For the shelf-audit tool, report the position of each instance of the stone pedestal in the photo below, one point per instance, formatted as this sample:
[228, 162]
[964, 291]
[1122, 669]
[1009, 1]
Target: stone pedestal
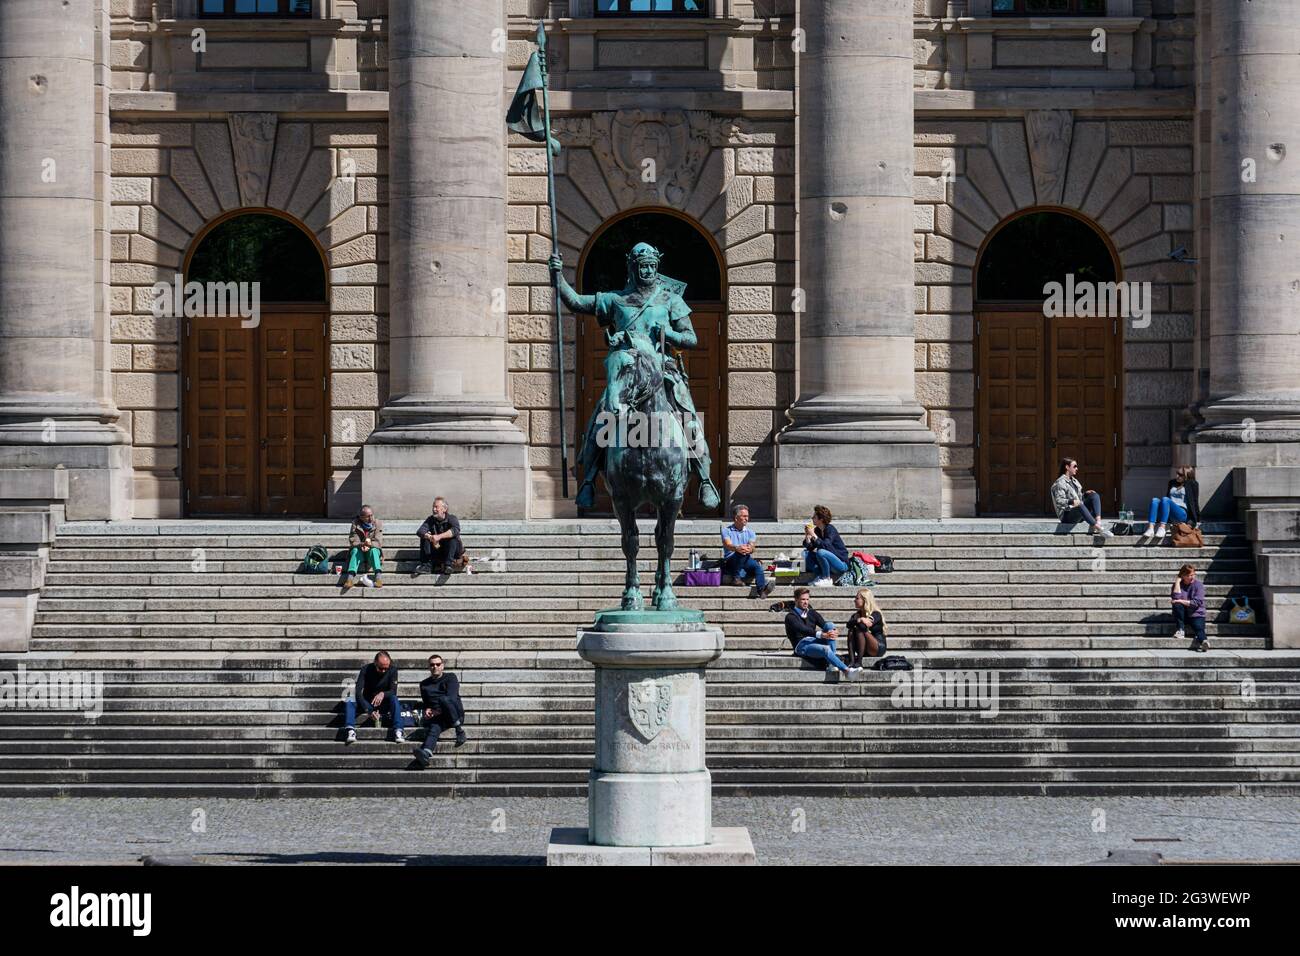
[649, 794]
[857, 423]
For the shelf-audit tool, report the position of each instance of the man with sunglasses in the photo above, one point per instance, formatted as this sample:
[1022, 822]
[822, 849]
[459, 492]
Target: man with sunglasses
[440, 692]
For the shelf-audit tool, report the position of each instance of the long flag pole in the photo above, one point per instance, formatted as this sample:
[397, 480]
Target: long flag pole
[555, 246]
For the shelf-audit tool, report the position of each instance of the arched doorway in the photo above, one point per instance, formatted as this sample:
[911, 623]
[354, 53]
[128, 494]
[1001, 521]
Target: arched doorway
[1048, 385]
[255, 385]
[689, 254]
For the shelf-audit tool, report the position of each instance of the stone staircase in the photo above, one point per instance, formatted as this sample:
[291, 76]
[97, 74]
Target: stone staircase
[223, 669]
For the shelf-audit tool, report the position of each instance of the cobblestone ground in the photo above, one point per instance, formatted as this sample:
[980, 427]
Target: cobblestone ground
[790, 830]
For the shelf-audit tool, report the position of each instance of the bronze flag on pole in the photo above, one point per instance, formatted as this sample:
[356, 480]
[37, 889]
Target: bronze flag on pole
[526, 115]
[532, 120]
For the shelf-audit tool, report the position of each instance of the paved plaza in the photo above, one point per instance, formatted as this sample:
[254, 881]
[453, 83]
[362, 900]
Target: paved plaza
[785, 830]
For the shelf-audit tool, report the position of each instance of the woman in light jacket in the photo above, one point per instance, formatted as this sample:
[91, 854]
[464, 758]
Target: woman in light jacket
[1072, 503]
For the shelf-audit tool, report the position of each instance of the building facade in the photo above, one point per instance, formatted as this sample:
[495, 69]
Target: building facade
[868, 201]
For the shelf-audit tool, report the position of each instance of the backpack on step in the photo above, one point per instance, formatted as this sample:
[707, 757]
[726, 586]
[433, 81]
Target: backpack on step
[315, 561]
[886, 564]
[857, 576]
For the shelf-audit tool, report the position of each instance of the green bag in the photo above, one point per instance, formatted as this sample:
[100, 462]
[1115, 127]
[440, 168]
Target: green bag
[315, 561]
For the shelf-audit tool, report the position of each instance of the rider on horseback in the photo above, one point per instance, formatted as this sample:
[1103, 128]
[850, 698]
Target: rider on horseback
[648, 316]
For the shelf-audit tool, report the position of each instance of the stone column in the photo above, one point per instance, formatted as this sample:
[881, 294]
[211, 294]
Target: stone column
[1252, 413]
[856, 441]
[51, 412]
[448, 426]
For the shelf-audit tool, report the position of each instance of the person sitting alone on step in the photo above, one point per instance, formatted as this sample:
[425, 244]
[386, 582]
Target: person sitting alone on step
[366, 538]
[739, 562]
[440, 694]
[440, 544]
[812, 636]
[1181, 502]
[375, 692]
[1188, 599]
[1073, 504]
[825, 553]
[866, 629]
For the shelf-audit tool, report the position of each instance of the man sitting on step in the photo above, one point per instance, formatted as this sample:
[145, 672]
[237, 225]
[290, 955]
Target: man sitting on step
[739, 562]
[440, 544]
[440, 693]
[375, 690]
[366, 537]
[812, 636]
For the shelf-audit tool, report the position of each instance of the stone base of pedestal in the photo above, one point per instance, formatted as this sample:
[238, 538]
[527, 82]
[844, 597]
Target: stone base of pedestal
[641, 809]
[728, 846]
[99, 476]
[905, 480]
[1215, 462]
[478, 480]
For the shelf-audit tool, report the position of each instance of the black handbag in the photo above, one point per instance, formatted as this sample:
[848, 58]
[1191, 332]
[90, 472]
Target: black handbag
[892, 662]
[1121, 528]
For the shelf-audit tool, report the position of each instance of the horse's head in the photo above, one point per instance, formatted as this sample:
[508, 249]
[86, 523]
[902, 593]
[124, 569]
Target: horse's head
[642, 379]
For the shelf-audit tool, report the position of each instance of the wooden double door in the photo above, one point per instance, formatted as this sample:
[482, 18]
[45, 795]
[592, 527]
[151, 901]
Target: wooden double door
[706, 372]
[255, 404]
[1046, 389]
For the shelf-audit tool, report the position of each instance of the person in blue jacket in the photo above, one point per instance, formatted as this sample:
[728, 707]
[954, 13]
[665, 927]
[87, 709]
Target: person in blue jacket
[825, 553]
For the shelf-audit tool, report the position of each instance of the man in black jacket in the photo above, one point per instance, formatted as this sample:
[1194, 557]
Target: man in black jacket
[803, 621]
[375, 691]
[440, 543]
[440, 693]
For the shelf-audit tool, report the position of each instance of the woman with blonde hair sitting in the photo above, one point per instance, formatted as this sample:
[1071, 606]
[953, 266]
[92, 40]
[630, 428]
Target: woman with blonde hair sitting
[866, 629]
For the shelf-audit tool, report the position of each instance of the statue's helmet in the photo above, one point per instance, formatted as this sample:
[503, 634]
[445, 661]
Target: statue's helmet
[641, 252]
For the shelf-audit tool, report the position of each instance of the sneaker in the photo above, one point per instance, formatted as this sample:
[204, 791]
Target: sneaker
[1160, 532]
[422, 569]
[823, 583]
[1198, 646]
[1101, 532]
[1179, 635]
[365, 582]
[378, 583]
[854, 671]
[460, 737]
[728, 580]
[398, 736]
[423, 755]
[349, 584]
[351, 737]
[768, 588]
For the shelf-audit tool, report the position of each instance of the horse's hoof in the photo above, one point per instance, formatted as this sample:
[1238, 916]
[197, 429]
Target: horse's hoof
[632, 600]
[709, 497]
[665, 601]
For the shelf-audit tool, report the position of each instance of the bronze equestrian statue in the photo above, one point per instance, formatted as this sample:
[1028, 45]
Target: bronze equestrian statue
[645, 434]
